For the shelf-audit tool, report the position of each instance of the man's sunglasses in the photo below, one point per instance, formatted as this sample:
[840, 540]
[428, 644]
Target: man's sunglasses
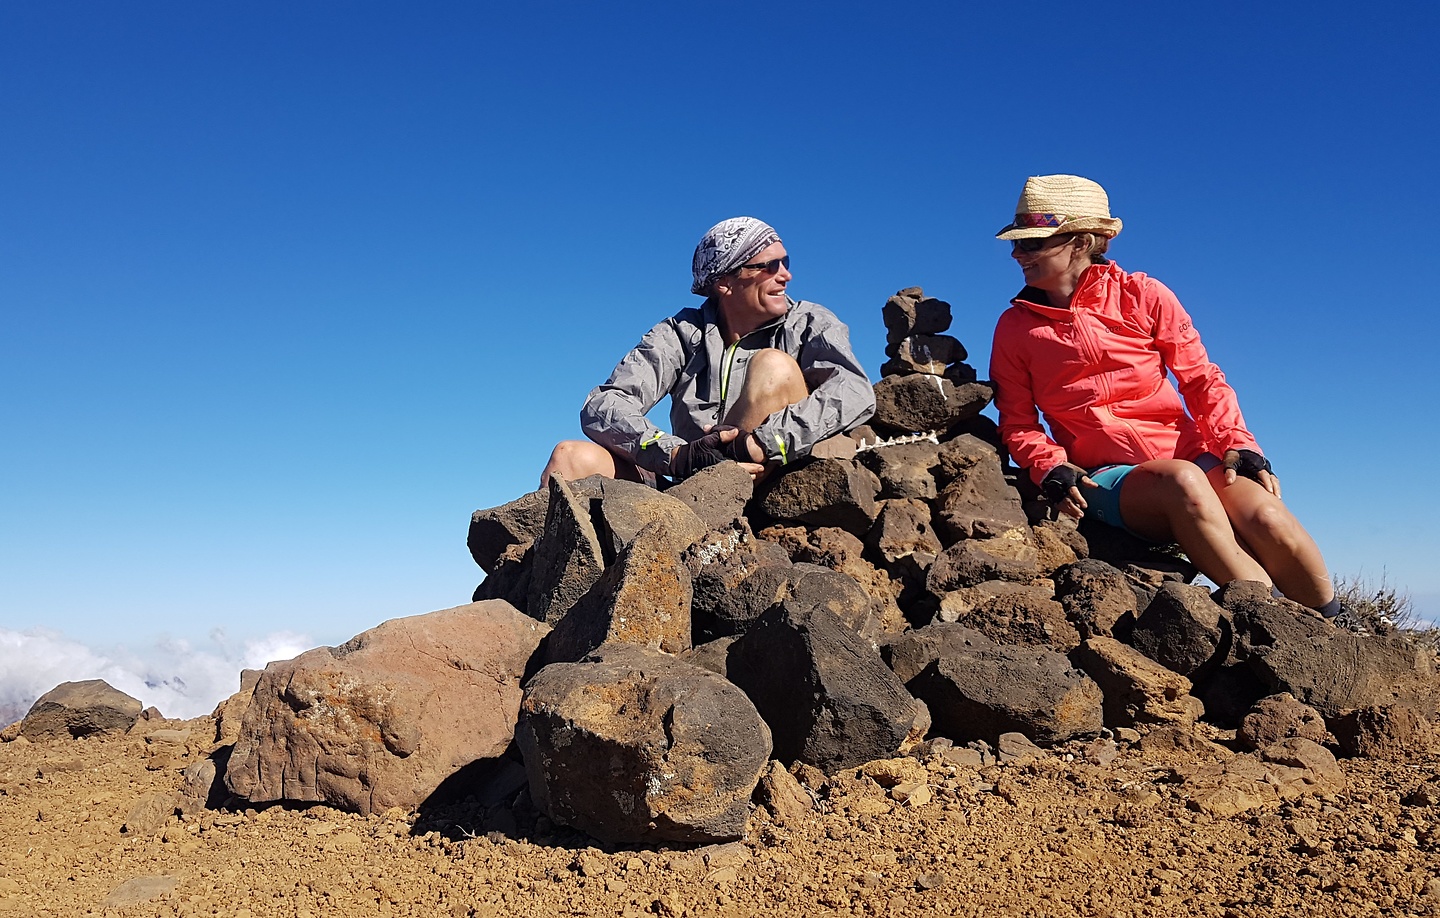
[769, 267]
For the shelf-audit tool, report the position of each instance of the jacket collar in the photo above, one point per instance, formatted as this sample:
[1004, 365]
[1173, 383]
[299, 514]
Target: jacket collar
[710, 313]
[1088, 292]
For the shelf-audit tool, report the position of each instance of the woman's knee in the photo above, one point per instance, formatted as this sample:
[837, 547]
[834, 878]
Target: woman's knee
[1270, 522]
[1182, 487]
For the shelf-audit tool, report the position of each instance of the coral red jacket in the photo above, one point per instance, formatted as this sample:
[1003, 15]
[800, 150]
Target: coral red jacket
[1097, 372]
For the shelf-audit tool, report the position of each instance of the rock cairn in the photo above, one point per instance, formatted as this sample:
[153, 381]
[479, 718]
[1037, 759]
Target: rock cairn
[642, 665]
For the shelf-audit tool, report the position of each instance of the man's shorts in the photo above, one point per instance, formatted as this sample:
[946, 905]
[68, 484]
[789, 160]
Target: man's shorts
[1103, 502]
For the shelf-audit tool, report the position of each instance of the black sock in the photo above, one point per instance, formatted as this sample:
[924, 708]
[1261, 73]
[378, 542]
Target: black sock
[1330, 609]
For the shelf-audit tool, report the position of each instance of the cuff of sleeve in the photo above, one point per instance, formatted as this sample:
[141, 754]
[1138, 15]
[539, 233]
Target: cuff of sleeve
[774, 445]
[655, 452]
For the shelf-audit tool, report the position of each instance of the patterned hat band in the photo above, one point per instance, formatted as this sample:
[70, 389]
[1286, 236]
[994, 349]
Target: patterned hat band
[1039, 220]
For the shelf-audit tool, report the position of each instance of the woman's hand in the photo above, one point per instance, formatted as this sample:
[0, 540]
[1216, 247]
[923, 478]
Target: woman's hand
[1062, 485]
[1252, 465]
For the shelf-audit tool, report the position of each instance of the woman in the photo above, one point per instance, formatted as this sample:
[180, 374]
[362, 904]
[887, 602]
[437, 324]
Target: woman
[1088, 345]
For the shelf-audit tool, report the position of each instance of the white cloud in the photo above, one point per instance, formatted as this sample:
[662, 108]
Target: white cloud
[173, 675]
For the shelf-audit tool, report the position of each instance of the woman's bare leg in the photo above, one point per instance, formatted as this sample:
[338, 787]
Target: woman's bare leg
[576, 459]
[1171, 500]
[1275, 537]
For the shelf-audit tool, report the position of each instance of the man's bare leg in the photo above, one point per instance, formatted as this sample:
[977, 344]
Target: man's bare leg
[576, 459]
[773, 380]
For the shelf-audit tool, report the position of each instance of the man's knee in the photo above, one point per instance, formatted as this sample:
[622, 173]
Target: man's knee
[773, 375]
[576, 459]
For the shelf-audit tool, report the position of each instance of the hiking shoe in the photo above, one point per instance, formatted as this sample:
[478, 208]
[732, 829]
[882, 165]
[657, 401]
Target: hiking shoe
[1347, 619]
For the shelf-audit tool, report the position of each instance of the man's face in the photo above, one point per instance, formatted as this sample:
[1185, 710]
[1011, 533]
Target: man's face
[752, 296]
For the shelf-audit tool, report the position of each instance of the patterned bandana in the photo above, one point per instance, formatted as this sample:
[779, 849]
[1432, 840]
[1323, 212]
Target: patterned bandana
[727, 246]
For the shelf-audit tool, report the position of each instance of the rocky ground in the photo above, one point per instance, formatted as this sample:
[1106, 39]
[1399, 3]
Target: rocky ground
[87, 827]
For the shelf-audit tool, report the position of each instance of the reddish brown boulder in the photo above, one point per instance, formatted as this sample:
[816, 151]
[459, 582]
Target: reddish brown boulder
[1279, 717]
[975, 561]
[1137, 689]
[1395, 731]
[91, 707]
[384, 718]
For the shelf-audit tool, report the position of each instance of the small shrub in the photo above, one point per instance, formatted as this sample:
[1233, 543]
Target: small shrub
[1385, 609]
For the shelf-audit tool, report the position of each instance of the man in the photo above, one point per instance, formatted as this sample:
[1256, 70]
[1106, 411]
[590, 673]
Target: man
[752, 375]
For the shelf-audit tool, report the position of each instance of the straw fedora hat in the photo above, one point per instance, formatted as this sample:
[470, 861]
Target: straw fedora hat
[1053, 204]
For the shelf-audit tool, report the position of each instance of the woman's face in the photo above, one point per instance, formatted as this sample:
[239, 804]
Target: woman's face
[1046, 261]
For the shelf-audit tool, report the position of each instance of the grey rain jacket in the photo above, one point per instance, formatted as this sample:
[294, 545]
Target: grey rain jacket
[684, 357]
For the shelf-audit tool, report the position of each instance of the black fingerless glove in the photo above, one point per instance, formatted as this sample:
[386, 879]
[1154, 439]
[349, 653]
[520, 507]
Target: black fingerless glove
[1059, 481]
[1249, 464]
[739, 449]
[699, 454]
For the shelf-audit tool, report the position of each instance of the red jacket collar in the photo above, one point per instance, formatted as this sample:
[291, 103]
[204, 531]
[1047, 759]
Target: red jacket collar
[1088, 292]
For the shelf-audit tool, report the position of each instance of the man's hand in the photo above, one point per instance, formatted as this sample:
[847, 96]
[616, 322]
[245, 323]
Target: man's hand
[1249, 464]
[1062, 485]
[713, 448]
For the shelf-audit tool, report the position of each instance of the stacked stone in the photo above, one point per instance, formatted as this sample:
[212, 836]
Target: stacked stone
[926, 384]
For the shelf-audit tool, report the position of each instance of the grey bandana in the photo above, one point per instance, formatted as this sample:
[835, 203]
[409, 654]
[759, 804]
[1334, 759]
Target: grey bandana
[727, 246]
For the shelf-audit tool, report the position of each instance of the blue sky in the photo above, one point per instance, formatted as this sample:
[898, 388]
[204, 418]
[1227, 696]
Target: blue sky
[287, 290]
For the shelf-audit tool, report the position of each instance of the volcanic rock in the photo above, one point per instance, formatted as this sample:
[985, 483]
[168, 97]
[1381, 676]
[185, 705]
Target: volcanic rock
[930, 354]
[910, 312]
[74, 709]
[1331, 670]
[634, 746]
[905, 469]
[1097, 597]
[1011, 613]
[1395, 731]
[568, 558]
[1182, 629]
[384, 718]
[979, 689]
[974, 561]
[1279, 717]
[825, 492]
[717, 495]
[908, 404]
[519, 522]
[1137, 689]
[976, 502]
[643, 598]
[829, 699]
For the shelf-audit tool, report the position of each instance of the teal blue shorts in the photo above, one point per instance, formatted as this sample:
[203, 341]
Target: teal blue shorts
[1103, 503]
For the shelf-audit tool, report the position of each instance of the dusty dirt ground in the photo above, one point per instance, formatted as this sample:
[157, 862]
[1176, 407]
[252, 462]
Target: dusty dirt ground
[1040, 837]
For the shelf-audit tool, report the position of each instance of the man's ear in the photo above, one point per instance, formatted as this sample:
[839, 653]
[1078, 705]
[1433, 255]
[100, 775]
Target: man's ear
[722, 285]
